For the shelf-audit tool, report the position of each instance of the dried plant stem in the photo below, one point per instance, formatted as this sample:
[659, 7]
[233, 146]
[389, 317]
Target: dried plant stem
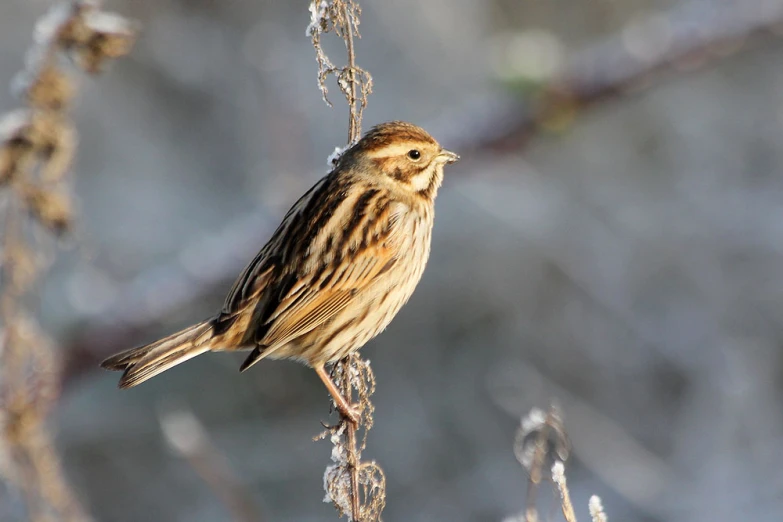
[354, 131]
[37, 145]
[352, 486]
[353, 464]
[354, 116]
[558, 476]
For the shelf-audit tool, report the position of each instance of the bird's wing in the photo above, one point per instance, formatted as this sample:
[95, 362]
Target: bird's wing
[331, 245]
[319, 296]
[269, 261]
[365, 248]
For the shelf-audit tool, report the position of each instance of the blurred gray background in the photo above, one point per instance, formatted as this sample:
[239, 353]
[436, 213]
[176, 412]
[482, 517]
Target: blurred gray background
[629, 265]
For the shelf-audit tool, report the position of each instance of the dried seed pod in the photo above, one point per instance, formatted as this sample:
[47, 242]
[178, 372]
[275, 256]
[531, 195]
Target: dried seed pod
[53, 142]
[21, 266]
[29, 136]
[16, 148]
[50, 208]
[63, 26]
[56, 150]
[111, 36]
[90, 35]
[45, 131]
[7, 164]
[45, 86]
[12, 160]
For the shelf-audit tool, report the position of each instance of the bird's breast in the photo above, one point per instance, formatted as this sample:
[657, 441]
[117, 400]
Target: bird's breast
[372, 309]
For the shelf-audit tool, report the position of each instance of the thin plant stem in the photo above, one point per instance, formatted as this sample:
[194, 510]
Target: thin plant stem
[354, 131]
[354, 123]
[351, 436]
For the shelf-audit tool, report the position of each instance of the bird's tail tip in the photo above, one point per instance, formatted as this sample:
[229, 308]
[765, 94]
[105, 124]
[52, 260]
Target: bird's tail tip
[144, 362]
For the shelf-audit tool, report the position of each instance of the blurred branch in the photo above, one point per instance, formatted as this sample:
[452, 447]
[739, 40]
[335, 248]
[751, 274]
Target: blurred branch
[37, 147]
[187, 436]
[686, 37]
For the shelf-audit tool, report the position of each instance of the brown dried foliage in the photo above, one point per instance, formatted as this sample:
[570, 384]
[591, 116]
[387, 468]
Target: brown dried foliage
[37, 147]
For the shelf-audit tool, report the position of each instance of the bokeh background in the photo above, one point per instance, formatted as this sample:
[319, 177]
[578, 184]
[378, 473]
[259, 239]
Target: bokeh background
[624, 258]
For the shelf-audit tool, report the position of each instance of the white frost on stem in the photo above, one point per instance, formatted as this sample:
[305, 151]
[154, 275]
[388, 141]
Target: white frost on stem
[558, 474]
[337, 480]
[319, 16]
[597, 509]
[334, 157]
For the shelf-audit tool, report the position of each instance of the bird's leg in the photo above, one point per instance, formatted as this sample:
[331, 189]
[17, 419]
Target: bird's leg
[343, 406]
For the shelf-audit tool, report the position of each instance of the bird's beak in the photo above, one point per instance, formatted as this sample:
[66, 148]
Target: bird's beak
[448, 157]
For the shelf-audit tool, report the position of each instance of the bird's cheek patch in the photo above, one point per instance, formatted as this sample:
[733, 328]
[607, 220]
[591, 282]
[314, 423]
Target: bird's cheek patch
[421, 180]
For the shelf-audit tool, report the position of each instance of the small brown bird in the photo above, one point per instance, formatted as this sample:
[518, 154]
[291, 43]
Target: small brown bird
[345, 259]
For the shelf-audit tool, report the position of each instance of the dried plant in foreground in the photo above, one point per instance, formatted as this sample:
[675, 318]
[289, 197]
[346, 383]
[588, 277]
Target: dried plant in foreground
[541, 443]
[356, 489]
[37, 146]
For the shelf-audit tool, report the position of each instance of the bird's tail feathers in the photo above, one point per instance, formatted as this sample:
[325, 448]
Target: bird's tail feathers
[145, 362]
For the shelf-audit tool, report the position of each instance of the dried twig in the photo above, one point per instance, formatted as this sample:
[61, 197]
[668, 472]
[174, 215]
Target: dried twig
[37, 146]
[558, 477]
[355, 488]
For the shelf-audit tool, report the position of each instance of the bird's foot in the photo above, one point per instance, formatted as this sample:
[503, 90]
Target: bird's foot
[350, 412]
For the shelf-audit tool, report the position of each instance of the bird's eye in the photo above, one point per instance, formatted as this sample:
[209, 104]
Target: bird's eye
[414, 154]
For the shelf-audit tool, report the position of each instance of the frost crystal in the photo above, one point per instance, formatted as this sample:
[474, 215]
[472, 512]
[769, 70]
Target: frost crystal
[558, 472]
[49, 26]
[319, 16]
[334, 157]
[109, 23]
[597, 509]
[534, 420]
[13, 124]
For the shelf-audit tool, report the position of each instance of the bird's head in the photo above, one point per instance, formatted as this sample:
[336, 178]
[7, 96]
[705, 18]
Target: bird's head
[403, 153]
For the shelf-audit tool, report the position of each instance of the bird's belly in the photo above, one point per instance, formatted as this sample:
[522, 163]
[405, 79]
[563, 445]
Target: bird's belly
[365, 317]
[369, 312]
[351, 329]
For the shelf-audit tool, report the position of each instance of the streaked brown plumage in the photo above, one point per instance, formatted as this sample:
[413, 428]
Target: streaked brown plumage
[345, 259]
